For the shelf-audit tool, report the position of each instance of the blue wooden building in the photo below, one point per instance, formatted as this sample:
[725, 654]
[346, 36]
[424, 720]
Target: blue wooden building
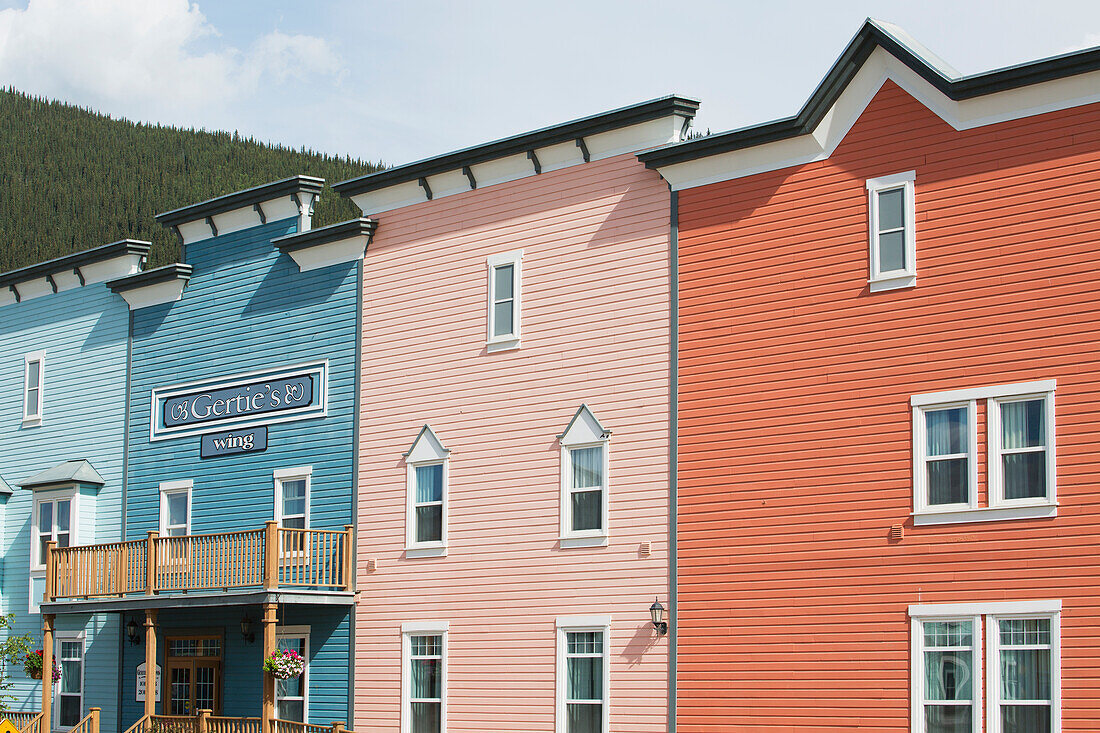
[240, 472]
[63, 379]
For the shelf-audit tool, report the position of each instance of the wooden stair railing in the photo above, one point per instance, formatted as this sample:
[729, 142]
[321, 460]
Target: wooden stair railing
[27, 722]
[88, 724]
[141, 726]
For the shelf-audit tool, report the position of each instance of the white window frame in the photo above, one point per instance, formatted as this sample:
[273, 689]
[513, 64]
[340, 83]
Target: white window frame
[583, 431]
[422, 628]
[920, 457]
[987, 682]
[292, 474]
[68, 636]
[996, 509]
[35, 357]
[41, 497]
[296, 632]
[993, 663]
[566, 624]
[906, 277]
[432, 548]
[511, 340]
[996, 468]
[174, 487]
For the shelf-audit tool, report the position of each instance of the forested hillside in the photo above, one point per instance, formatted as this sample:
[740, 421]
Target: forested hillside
[71, 178]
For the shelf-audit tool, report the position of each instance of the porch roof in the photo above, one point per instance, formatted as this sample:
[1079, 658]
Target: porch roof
[201, 600]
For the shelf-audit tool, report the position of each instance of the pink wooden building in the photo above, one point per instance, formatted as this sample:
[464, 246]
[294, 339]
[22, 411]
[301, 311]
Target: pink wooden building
[514, 476]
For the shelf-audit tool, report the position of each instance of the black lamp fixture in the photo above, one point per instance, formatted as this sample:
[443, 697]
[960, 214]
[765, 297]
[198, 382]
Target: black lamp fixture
[246, 629]
[132, 632]
[657, 615]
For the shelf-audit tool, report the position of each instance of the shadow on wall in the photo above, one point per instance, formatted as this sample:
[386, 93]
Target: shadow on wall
[107, 330]
[284, 285]
[644, 641]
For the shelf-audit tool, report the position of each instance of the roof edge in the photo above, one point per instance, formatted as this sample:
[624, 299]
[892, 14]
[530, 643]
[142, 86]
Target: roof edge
[166, 273]
[565, 132]
[331, 233]
[110, 251]
[240, 199]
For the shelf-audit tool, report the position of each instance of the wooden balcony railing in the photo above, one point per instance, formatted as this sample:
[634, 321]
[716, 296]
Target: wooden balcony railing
[269, 558]
[204, 722]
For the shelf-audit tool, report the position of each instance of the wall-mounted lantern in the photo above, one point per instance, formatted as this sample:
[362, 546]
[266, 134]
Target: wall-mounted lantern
[657, 616]
[132, 632]
[246, 629]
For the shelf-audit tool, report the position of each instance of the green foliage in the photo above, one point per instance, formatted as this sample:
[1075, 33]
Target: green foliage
[13, 650]
[74, 179]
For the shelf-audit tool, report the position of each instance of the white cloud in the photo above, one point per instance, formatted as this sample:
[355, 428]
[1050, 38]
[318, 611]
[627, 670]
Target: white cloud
[149, 59]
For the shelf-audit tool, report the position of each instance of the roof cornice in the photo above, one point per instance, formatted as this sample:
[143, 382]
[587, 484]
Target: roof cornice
[153, 287]
[523, 144]
[76, 260]
[872, 35]
[241, 199]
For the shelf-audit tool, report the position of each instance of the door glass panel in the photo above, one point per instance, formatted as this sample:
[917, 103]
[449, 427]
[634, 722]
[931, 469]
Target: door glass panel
[205, 686]
[180, 691]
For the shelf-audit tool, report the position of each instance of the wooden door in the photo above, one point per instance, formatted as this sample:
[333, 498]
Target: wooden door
[193, 675]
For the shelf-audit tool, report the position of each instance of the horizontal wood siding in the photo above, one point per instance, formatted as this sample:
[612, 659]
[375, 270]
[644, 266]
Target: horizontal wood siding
[83, 332]
[595, 330]
[248, 308]
[795, 446]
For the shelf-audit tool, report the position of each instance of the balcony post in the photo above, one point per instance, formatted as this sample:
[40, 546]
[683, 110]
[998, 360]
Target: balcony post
[349, 557]
[204, 723]
[150, 661]
[269, 621]
[151, 564]
[271, 555]
[337, 726]
[94, 712]
[51, 572]
[47, 671]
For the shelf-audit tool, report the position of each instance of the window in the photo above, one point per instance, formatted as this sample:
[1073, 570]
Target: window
[1021, 668]
[70, 689]
[1020, 460]
[53, 521]
[291, 695]
[427, 476]
[584, 488]
[893, 233]
[34, 367]
[583, 674]
[292, 497]
[175, 508]
[505, 284]
[424, 678]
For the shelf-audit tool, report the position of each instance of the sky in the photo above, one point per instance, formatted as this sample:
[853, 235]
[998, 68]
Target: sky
[401, 80]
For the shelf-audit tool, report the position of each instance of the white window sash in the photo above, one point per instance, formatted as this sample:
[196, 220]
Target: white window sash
[921, 504]
[996, 451]
[301, 473]
[917, 671]
[993, 663]
[409, 630]
[296, 632]
[567, 490]
[411, 504]
[565, 626]
[52, 497]
[168, 488]
[59, 641]
[38, 360]
[507, 340]
[905, 183]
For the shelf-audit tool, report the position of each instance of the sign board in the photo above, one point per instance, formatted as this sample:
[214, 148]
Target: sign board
[141, 683]
[6, 726]
[253, 440]
[240, 401]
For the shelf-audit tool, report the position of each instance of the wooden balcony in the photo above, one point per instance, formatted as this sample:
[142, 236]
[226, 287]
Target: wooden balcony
[270, 558]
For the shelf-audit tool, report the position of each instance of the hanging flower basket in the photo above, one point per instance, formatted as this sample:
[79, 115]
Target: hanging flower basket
[284, 664]
[32, 665]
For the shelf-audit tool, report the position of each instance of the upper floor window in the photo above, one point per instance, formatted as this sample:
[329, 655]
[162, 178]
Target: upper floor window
[53, 522]
[175, 508]
[1022, 676]
[1020, 440]
[505, 284]
[292, 497]
[584, 482]
[893, 231]
[426, 476]
[34, 372]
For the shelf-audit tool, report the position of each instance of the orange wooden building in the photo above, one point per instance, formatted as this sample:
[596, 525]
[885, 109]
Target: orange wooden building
[889, 377]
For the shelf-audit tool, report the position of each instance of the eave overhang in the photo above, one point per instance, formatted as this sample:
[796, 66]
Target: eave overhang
[72, 271]
[153, 287]
[346, 241]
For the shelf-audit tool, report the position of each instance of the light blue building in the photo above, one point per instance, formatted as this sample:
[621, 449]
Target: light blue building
[240, 475]
[63, 381]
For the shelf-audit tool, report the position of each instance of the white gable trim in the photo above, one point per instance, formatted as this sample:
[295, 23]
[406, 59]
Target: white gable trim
[881, 65]
[583, 428]
[426, 447]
